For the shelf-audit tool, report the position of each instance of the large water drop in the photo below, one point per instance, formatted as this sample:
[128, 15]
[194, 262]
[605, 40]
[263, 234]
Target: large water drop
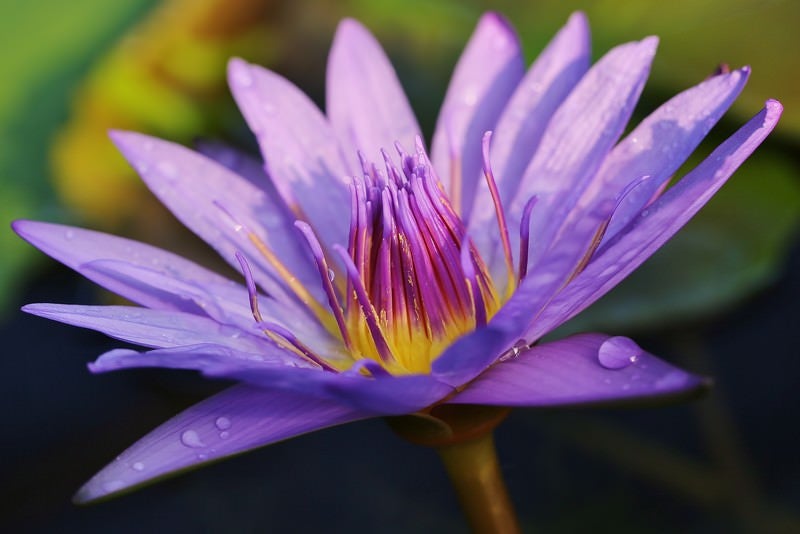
[190, 438]
[618, 353]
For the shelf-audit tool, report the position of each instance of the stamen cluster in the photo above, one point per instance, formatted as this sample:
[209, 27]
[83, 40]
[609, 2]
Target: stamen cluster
[414, 282]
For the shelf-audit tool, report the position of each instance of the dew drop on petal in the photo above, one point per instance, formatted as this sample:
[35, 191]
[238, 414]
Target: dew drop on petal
[69, 235]
[138, 466]
[190, 438]
[222, 423]
[618, 353]
[224, 435]
[331, 275]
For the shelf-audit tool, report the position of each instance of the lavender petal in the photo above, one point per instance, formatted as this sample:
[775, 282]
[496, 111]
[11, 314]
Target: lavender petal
[486, 75]
[239, 419]
[150, 328]
[299, 146]
[659, 222]
[585, 369]
[578, 138]
[520, 127]
[365, 102]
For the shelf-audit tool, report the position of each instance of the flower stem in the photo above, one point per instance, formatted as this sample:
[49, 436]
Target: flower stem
[475, 473]
[462, 435]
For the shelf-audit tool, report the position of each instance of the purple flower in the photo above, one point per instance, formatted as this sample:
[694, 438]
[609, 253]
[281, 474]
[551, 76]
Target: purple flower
[379, 281]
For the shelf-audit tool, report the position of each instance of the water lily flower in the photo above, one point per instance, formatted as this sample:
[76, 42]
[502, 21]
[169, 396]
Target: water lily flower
[384, 278]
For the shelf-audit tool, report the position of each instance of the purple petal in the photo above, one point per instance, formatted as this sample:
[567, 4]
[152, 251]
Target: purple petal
[225, 303]
[469, 355]
[579, 137]
[660, 144]
[238, 162]
[299, 148]
[474, 352]
[234, 421]
[489, 70]
[383, 395]
[579, 370]
[212, 359]
[76, 247]
[523, 121]
[150, 328]
[220, 207]
[365, 102]
[387, 395]
[656, 224]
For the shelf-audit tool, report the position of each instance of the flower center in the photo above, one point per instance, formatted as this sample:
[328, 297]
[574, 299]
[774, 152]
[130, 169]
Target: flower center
[414, 281]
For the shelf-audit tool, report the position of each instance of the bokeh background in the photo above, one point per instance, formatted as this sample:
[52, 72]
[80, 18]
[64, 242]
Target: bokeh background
[719, 300]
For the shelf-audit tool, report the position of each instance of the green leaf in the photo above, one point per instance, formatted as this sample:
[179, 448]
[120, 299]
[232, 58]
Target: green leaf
[48, 46]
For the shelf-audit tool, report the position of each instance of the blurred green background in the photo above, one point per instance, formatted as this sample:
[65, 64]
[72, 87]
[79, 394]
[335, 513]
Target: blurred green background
[74, 70]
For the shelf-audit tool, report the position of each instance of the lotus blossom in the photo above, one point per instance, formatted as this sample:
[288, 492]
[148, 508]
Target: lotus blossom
[381, 277]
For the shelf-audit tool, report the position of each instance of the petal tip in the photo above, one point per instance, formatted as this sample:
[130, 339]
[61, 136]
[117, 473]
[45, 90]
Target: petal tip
[19, 226]
[349, 27]
[578, 21]
[774, 107]
[650, 43]
[239, 75]
[129, 142]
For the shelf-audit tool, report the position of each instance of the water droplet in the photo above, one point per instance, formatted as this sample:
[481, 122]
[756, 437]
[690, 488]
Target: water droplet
[69, 235]
[138, 466]
[190, 438]
[223, 423]
[516, 349]
[331, 275]
[618, 353]
[224, 435]
[202, 457]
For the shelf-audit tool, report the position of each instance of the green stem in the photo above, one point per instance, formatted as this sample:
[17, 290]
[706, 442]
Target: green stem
[475, 473]
[462, 435]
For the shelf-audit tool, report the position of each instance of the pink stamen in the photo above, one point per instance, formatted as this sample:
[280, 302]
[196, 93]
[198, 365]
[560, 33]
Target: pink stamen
[366, 306]
[269, 327]
[498, 208]
[597, 239]
[524, 237]
[322, 267]
[251, 285]
[273, 328]
[478, 304]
